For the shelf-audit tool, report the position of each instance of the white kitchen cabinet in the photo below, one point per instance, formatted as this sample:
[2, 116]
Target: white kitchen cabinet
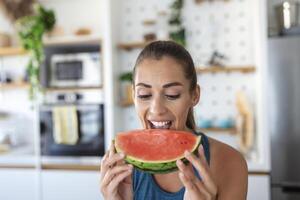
[258, 187]
[18, 184]
[70, 185]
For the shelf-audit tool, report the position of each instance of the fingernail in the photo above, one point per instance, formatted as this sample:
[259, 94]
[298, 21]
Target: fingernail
[122, 155]
[201, 148]
[186, 153]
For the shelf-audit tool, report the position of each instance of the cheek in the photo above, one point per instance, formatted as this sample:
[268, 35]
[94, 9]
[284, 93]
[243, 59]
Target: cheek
[140, 109]
[181, 110]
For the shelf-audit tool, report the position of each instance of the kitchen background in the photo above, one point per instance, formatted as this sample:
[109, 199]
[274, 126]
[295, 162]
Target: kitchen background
[228, 41]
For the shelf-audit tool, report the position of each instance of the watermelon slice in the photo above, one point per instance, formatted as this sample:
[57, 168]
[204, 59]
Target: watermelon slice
[156, 150]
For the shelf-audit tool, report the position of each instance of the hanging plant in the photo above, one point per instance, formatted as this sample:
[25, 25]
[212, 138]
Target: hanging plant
[177, 33]
[31, 29]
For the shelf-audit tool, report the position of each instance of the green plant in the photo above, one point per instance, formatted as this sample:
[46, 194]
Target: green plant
[177, 33]
[31, 29]
[127, 76]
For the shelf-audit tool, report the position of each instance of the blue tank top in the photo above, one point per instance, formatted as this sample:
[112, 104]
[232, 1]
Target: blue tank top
[145, 186]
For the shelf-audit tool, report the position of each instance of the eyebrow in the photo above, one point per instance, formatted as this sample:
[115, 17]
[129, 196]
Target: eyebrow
[164, 86]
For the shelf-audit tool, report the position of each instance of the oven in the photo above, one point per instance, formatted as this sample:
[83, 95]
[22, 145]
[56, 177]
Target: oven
[86, 109]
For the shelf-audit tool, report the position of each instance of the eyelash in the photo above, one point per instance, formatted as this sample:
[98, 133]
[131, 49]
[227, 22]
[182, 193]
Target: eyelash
[170, 97]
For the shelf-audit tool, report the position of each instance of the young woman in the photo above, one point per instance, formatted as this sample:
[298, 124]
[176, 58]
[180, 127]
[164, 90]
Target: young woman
[165, 92]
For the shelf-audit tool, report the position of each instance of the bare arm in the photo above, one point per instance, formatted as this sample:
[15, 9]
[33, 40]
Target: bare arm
[230, 171]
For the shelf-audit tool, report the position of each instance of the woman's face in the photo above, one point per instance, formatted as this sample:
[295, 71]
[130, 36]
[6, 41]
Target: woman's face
[162, 94]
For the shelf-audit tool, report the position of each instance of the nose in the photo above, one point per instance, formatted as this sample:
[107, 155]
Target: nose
[157, 106]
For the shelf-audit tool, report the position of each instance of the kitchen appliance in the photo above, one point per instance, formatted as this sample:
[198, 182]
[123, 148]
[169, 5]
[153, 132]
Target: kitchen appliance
[90, 114]
[82, 69]
[288, 17]
[284, 115]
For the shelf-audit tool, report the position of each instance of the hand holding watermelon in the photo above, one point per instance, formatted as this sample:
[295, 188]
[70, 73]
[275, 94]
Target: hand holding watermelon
[195, 188]
[115, 176]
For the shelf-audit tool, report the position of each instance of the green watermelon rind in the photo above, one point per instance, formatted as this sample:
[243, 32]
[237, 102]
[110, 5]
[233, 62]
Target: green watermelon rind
[158, 167]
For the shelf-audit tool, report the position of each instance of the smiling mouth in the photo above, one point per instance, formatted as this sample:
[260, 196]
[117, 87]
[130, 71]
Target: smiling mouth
[160, 124]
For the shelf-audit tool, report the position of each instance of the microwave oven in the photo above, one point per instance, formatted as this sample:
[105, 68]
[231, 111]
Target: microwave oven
[82, 69]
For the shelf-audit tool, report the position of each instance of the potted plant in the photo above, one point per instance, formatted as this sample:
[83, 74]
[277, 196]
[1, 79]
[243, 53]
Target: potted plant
[126, 88]
[31, 29]
[177, 33]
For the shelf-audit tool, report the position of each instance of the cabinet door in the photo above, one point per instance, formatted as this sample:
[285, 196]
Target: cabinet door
[18, 184]
[70, 185]
[258, 187]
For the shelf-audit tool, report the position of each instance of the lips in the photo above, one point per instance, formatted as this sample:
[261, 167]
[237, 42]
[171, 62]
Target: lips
[160, 124]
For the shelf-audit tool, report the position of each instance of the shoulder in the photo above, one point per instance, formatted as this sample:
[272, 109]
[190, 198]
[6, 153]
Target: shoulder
[229, 169]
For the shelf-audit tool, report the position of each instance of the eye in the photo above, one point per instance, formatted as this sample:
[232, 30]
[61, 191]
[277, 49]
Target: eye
[173, 97]
[144, 97]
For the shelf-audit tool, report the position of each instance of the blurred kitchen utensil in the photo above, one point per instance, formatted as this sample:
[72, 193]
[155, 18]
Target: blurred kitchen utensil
[13, 127]
[5, 40]
[217, 59]
[83, 31]
[205, 123]
[3, 115]
[149, 30]
[288, 17]
[244, 123]
[224, 123]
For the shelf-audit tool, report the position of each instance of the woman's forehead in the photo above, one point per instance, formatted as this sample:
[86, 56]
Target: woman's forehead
[163, 70]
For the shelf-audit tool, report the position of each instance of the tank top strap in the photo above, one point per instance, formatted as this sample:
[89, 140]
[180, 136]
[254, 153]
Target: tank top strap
[205, 144]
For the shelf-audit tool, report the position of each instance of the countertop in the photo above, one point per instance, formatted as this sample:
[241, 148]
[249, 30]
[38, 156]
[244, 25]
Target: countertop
[24, 157]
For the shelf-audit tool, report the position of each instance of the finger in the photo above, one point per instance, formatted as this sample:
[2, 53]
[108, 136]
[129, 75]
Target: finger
[110, 174]
[112, 161]
[188, 184]
[102, 165]
[202, 170]
[202, 188]
[103, 160]
[111, 149]
[186, 170]
[120, 177]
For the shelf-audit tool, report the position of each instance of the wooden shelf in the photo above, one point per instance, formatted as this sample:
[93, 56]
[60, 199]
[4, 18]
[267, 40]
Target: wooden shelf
[133, 45]
[76, 167]
[72, 40]
[7, 86]
[227, 69]
[12, 51]
[218, 130]
[72, 89]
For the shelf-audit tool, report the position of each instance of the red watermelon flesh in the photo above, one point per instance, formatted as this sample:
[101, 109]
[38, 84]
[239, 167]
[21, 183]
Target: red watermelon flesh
[156, 145]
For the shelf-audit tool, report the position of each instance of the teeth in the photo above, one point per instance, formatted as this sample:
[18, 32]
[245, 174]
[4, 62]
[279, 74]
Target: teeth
[162, 125]
[159, 123]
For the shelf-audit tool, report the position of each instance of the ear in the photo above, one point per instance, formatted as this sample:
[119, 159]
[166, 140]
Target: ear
[132, 93]
[196, 95]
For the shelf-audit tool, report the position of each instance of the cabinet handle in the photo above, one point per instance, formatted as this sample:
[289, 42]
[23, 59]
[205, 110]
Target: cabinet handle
[289, 187]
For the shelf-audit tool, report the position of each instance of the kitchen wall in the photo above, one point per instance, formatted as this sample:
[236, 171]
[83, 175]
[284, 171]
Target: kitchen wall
[78, 14]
